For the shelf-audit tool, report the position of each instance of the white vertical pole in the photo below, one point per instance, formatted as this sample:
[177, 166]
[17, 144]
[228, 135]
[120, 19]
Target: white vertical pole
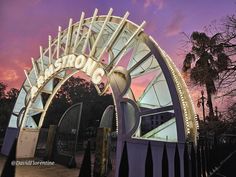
[115, 33]
[89, 31]
[49, 49]
[100, 32]
[68, 36]
[78, 31]
[41, 57]
[58, 41]
[27, 77]
[35, 68]
[121, 52]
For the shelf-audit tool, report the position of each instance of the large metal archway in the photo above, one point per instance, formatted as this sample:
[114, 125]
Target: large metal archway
[145, 83]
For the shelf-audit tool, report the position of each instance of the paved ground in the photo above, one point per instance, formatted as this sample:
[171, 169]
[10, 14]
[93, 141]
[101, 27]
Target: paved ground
[55, 170]
[227, 169]
[42, 171]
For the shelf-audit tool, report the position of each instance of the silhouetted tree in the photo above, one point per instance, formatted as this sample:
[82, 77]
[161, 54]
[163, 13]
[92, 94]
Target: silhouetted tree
[2, 90]
[231, 115]
[209, 60]
[7, 101]
[12, 94]
[228, 38]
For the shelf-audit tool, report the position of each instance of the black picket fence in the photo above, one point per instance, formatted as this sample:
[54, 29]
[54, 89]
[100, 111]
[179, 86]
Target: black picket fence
[199, 161]
[210, 156]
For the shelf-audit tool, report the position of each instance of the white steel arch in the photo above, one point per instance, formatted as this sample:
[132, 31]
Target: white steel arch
[120, 55]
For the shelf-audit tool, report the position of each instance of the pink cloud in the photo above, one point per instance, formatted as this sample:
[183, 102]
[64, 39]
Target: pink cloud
[158, 3]
[9, 75]
[175, 25]
[151, 28]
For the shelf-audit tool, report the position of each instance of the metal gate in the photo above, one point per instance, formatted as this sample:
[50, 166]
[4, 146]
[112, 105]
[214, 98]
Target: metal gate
[67, 135]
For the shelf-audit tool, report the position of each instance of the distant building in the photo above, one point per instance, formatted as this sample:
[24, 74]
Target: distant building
[151, 122]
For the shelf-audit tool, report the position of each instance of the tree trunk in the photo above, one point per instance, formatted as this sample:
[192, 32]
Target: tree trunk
[209, 101]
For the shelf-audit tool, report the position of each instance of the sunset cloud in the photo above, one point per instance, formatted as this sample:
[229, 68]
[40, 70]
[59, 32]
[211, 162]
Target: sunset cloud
[148, 3]
[158, 3]
[26, 24]
[175, 25]
[9, 75]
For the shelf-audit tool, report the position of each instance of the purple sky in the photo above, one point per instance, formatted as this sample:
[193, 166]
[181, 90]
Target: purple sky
[26, 24]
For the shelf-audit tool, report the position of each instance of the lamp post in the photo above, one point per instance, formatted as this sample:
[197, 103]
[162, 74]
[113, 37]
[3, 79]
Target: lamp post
[201, 100]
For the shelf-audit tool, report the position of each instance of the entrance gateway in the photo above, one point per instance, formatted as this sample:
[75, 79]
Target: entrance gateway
[151, 100]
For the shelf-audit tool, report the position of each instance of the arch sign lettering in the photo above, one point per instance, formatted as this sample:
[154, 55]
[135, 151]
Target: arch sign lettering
[151, 99]
[80, 62]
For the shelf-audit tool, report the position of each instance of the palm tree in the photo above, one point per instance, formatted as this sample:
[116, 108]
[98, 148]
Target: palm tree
[209, 59]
